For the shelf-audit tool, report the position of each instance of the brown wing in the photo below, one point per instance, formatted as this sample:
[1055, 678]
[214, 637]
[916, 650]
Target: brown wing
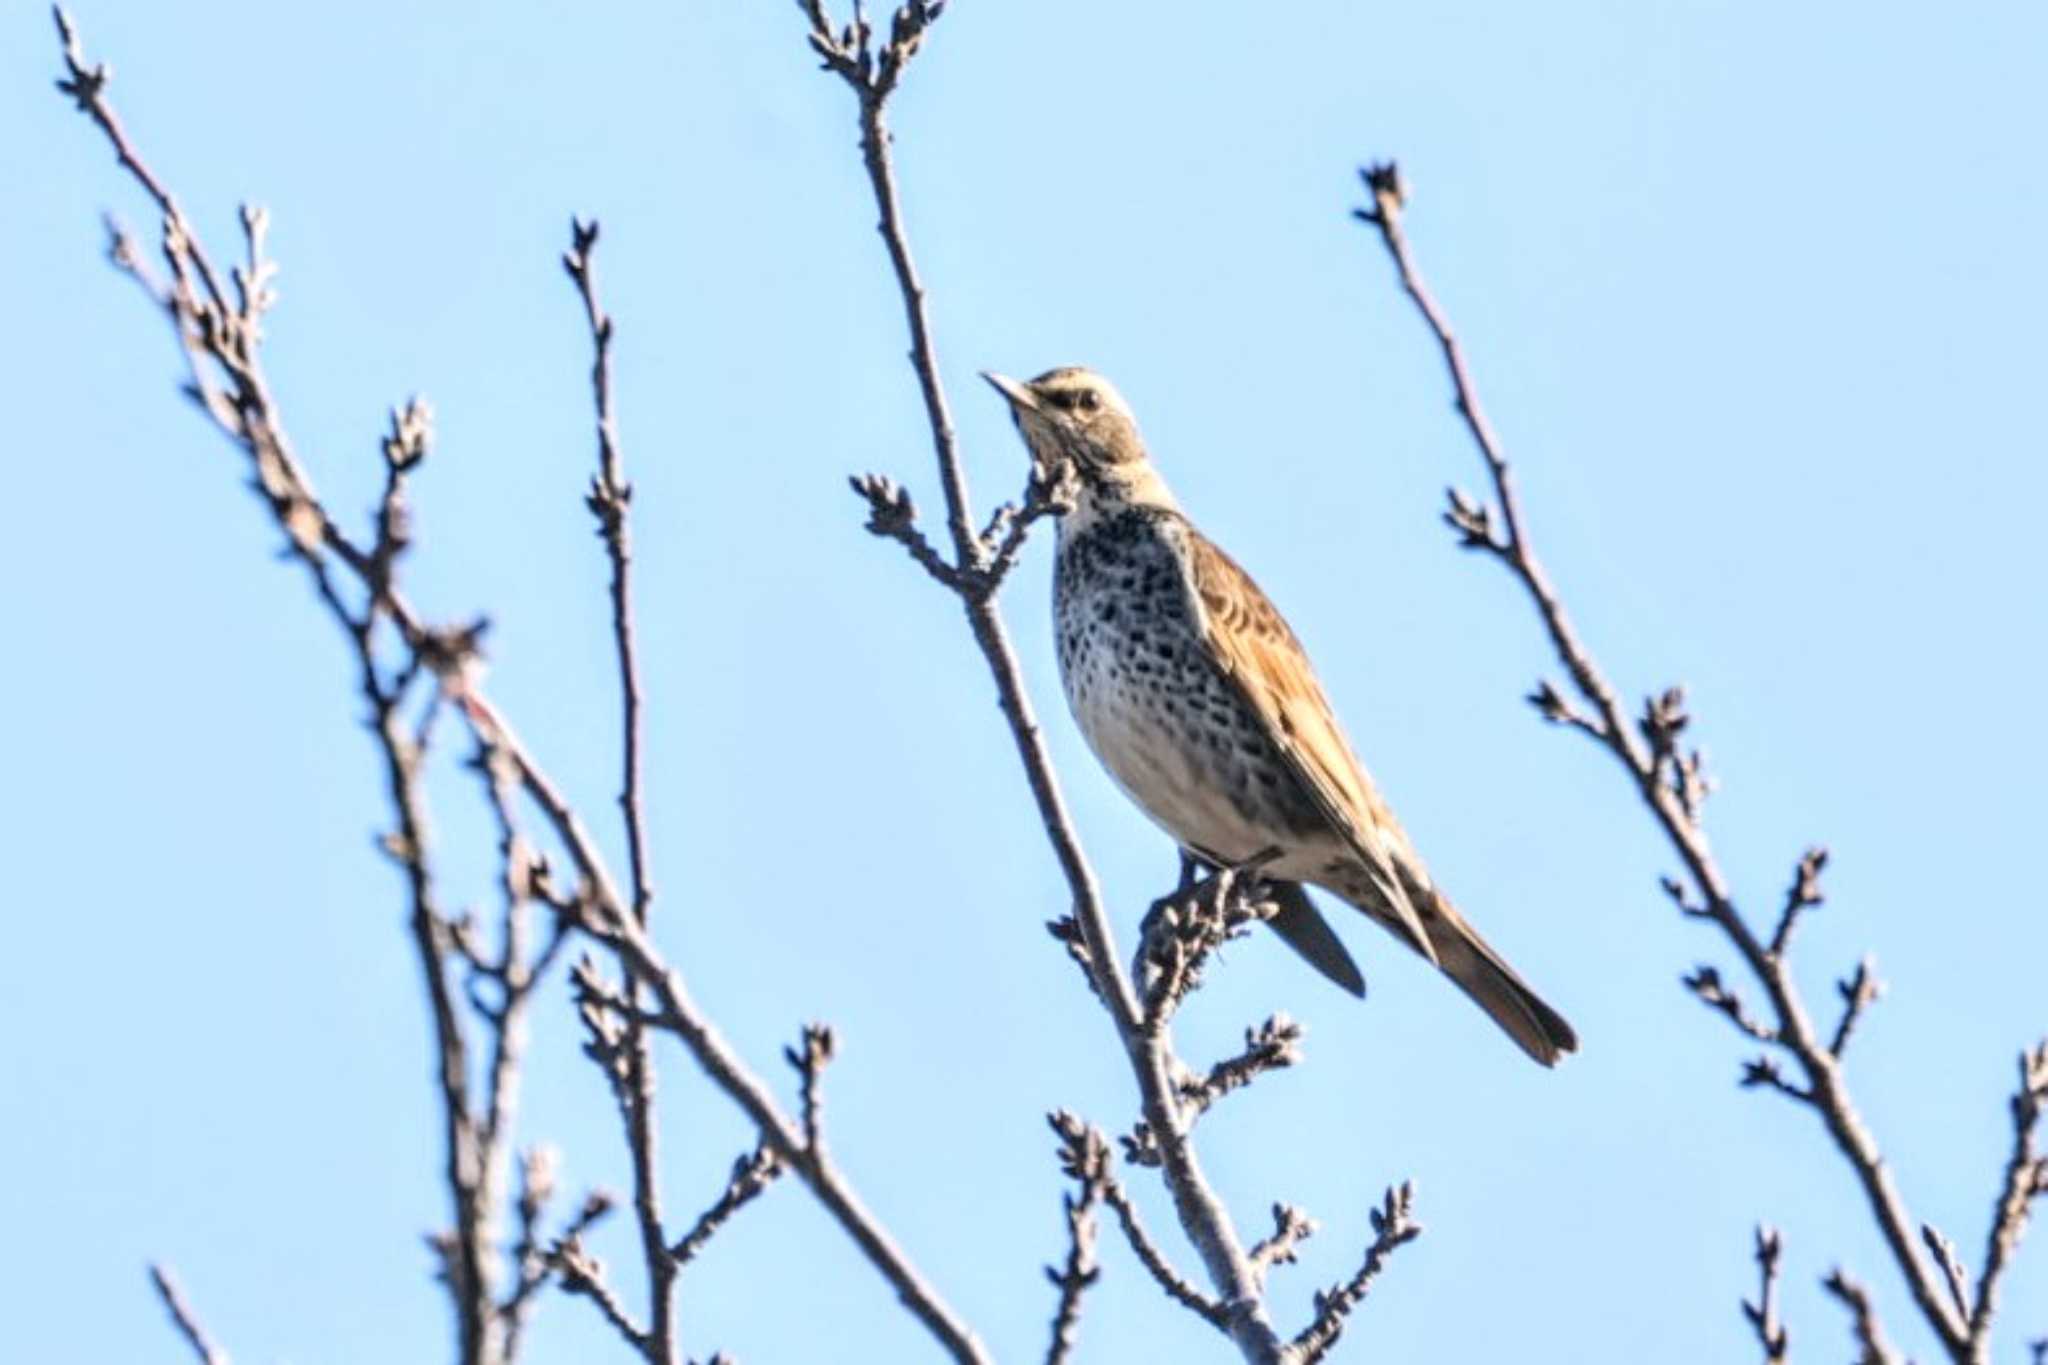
[1260, 658]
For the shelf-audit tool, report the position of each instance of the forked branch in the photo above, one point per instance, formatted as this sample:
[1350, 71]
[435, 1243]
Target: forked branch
[220, 336]
[1672, 783]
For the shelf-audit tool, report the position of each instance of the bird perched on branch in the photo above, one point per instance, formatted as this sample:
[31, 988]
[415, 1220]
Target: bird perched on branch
[1196, 696]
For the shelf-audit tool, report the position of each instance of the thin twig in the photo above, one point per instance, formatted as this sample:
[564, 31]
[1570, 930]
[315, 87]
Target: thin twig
[1860, 990]
[610, 501]
[537, 1263]
[1046, 494]
[1762, 1073]
[892, 515]
[1871, 1345]
[751, 1174]
[1085, 1157]
[582, 1274]
[810, 1062]
[1951, 1266]
[85, 86]
[1177, 1286]
[1802, 895]
[2026, 1179]
[1705, 982]
[1763, 1314]
[1271, 1046]
[1291, 1227]
[1185, 927]
[1393, 1227]
[184, 1319]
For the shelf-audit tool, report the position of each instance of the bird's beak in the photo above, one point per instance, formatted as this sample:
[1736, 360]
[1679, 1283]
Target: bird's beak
[1020, 396]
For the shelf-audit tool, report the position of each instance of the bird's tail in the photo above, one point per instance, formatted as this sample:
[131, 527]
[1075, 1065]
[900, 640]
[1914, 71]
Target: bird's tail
[1481, 973]
[1297, 921]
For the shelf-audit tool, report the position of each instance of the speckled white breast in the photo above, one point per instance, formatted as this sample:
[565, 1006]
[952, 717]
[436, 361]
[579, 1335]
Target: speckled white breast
[1164, 722]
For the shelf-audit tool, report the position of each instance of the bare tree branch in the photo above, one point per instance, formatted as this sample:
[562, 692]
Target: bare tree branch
[1046, 493]
[1271, 1046]
[536, 1261]
[220, 338]
[1085, 1158]
[605, 917]
[1393, 1226]
[610, 502]
[892, 514]
[2026, 1179]
[1672, 784]
[810, 1062]
[1185, 927]
[1291, 1227]
[184, 1319]
[751, 1173]
[1705, 982]
[1803, 895]
[1763, 1314]
[582, 1274]
[1871, 1344]
[1859, 990]
[1951, 1266]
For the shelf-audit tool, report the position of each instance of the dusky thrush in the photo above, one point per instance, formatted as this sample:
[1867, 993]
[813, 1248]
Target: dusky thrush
[1197, 697]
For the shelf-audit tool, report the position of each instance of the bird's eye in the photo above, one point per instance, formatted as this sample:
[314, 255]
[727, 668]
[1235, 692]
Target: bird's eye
[1087, 400]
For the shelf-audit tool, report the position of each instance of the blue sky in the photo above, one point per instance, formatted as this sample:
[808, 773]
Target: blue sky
[1753, 293]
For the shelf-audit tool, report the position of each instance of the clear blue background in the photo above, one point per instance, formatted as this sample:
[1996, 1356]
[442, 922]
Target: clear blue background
[1754, 293]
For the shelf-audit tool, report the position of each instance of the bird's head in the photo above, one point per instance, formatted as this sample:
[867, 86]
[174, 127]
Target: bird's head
[1074, 419]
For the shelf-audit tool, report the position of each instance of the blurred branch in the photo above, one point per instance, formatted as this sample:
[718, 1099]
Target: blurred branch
[2026, 1179]
[1859, 990]
[537, 1262]
[1871, 1346]
[184, 1319]
[751, 1174]
[1672, 783]
[1763, 1314]
[1291, 1227]
[871, 69]
[810, 1062]
[583, 1276]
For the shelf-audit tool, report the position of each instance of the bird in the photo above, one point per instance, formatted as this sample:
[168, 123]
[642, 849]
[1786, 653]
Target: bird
[1195, 694]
